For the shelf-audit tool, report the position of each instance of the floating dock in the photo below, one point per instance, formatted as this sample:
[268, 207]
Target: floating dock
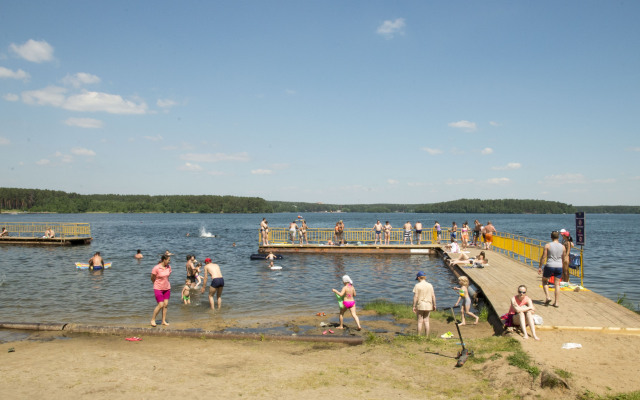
[35, 233]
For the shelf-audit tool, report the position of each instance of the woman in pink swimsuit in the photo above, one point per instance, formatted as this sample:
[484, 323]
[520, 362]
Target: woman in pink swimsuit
[161, 288]
[348, 293]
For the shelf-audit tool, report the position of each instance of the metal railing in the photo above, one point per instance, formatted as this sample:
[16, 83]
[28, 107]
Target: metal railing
[353, 235]
[62, 230]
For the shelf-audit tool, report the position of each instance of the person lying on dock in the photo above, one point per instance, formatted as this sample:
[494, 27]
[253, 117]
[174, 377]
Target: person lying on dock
[479, 261]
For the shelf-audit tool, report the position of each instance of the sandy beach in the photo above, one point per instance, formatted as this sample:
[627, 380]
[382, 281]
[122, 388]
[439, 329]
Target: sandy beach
[107, 366]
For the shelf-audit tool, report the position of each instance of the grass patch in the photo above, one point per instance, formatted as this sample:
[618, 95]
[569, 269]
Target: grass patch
[521, 360]
[401, 311]
[623, 301]
[563, 374]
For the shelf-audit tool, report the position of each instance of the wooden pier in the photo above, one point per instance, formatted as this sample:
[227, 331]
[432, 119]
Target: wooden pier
[349, 249]
[35, 233]
[578, 310]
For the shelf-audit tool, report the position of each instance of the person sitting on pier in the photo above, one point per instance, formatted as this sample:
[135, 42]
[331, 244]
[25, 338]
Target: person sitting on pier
[4, 232]
[49, 234]
[452, 247]
[521, 312]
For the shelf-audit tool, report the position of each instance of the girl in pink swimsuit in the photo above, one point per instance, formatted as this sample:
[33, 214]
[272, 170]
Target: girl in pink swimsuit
[348, 293]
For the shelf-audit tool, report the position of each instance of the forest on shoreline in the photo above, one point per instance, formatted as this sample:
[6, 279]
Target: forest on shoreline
[53, 201]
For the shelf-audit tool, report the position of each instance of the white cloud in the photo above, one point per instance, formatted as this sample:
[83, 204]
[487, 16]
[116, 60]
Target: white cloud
[467, 126]
[215, 157]
[498, 181]
[84, 123]
[80, 79]
[564, 179]
[49, 96]
[4, 141]
[606, 180]
[166, 103]
[65, 158]
[215, 173]
[19, 74]
[392, 182]
[11, 97]
[109, 103]
[494, 123]
[86, 101]
[44, 161]
[486, 151]
[431, 151]
[261, 172]
[156, 138]
[81, 151]
[34, 51]
[290, 92]
[190, 167]
[509, 166]
[634, 149]
[390, 28]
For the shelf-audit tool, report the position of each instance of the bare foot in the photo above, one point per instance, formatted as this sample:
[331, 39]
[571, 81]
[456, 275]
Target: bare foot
[153, 323]
[477, 319]
[358, 328]
[165, 323]
[464, 323]
[525, 337]
[536, 338]
[340, 327]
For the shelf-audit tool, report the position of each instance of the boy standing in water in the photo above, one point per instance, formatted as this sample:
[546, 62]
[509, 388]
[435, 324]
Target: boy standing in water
[271, 257]
[186, 292]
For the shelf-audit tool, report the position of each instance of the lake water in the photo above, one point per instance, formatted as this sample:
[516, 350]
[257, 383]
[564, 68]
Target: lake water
[41, 284]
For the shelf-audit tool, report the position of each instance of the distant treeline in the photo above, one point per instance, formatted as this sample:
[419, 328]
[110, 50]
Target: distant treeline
[36, 200]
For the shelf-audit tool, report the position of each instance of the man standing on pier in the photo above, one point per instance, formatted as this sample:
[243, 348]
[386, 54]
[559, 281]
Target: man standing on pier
[489, 230]
[419, 231]
[407, 233]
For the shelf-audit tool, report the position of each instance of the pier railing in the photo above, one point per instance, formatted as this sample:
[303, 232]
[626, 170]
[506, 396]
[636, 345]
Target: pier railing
[529, 251]
[350, 235]
[62, 230]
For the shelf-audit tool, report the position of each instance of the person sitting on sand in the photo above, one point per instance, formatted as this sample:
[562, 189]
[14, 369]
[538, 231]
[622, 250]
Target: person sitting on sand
[186, 292]
[521, 312]
[465, 308]
[138, 255]
[348, 293]
[424, 301]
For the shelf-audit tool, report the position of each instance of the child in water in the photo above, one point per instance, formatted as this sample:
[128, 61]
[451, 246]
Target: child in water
[198, 277]
[465, 308]
[186, 292]
[348, 293]
[271, 257]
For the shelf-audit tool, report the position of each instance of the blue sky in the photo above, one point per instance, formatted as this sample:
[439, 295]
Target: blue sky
[324, 101]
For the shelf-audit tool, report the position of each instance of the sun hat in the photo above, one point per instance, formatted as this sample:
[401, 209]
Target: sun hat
[420, 273]
[565, 232]
[346, 279]
[207, 260]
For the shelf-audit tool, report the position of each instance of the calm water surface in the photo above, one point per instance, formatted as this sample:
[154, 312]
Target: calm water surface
[41, 284]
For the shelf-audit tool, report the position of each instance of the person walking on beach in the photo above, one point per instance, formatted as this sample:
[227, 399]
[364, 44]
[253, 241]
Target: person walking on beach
[161, 288]
[567, 242]
[348, 294]
[553, 253]
[418, 228]
[424, 301]
[465, 308]
[407, 233]
[217, 282]
[521, 312]
[387, 232]
[377, 229]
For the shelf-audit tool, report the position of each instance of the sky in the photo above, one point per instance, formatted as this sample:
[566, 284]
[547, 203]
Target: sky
[341, 102]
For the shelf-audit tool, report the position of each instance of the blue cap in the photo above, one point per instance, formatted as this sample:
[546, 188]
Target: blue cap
[420, 273]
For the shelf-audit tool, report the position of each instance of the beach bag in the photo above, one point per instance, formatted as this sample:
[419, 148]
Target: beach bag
[537, 319]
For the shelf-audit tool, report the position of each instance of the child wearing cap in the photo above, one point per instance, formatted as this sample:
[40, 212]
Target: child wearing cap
[424, 301]
[348, 293]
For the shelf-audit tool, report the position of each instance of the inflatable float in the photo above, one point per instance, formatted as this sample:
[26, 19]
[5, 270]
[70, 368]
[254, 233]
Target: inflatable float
[264, 257]
[80, 265]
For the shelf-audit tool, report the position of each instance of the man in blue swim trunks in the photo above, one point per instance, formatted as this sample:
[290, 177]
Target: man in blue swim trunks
[217, 282]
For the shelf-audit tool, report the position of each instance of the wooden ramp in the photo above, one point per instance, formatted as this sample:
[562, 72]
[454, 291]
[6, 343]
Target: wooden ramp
[583, 310]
